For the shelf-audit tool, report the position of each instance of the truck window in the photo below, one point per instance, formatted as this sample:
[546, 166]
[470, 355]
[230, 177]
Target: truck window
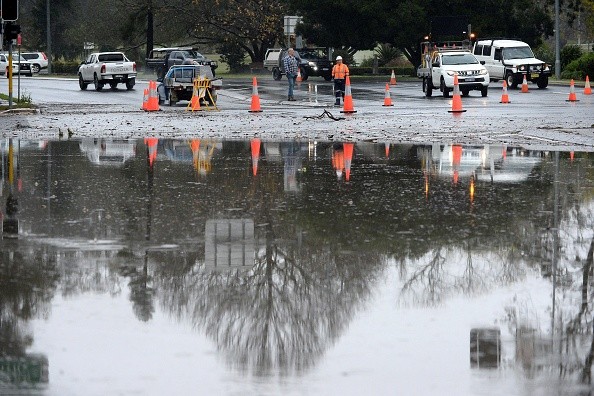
[497, 55]
[487, 50]
[478, 50]
[111, 58]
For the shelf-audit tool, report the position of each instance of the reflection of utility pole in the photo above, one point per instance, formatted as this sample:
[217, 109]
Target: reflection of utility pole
[555, 241]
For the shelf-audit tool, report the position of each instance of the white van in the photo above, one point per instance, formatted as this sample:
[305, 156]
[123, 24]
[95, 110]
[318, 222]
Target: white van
[511, 60]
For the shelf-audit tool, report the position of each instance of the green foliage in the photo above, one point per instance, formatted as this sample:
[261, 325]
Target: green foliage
[545, 53]
[347, 55]
[63, 66]
[580, 68]
[384, 71]
[233, 55]
[386, 53]
[569, 53]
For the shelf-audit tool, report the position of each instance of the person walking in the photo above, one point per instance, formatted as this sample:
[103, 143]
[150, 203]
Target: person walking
[291, 66]
[339, 73]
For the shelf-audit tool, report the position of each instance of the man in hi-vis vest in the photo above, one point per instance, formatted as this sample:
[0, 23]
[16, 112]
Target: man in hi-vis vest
[339, 73]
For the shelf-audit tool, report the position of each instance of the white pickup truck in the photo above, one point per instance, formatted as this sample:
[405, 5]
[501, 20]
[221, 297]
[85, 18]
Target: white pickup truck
[111, 68]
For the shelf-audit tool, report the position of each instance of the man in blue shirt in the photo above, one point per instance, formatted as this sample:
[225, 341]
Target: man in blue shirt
[291, 66]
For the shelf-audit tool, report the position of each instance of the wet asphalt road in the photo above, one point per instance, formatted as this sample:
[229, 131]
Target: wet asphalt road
[538, 118]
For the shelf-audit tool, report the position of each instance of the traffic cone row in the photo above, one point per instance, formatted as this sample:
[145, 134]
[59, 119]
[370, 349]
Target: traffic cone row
[456, 98]
[504, 95]
[387, 98]
[255, 106]
[150, 100]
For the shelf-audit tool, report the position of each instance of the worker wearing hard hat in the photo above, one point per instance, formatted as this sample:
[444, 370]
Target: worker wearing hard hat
[340, 71]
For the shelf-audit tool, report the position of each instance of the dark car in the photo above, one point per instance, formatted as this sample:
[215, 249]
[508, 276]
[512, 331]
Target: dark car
[312, 62]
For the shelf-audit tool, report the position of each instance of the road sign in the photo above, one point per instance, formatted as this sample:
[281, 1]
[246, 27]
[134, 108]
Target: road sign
[10, 10]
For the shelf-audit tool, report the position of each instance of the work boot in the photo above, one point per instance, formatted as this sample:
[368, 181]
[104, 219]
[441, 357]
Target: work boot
[337, 103]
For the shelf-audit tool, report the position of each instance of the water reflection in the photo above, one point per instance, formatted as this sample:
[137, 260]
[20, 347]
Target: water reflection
[271, 248]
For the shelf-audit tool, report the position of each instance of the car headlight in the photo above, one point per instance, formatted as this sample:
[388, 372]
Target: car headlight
[522, 68]
[312, 64]
[483, 72]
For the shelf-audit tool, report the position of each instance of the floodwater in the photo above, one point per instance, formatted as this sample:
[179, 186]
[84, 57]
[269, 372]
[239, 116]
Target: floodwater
[185, 267]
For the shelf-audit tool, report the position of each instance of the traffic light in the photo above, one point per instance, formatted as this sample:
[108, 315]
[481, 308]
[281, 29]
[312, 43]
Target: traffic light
[10, 10]
[11, 31]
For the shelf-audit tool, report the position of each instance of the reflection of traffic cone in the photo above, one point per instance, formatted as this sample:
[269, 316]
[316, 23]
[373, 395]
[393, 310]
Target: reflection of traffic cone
[456, 99]
[255, 107]
[571, 156]
[348, 158]
[151, 149]
[387, 149]
[387, 99]
[504, 95]
[393, 78]
[524, 85]
[153, 99]
[456, 159]
[255, 146]
[145, 99]
[572, 97]
[587, 89]
[299, 78]
[348, 98]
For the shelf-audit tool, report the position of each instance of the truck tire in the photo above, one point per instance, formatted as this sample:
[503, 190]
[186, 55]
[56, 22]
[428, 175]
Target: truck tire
[97, 83]
[276, 74]
[130, 83]
[81, 83]
[542, 82]
[510, 80]
[444, 90]
[484, 91]
[427, 87]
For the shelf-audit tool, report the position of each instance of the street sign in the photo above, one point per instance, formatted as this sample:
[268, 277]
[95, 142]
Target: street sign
[9, 10]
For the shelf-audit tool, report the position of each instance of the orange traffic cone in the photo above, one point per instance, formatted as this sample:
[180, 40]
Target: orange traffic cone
[348, 158]
[456, 99]
[145, 98]
[299, 78]
[153, 99]
[255, 107]
[393, 78]
[255, 146]
[504, 95]
[572, 97]
[387, 99]
[587, 89]
[348, 98]
[524, 85]
[194, 104]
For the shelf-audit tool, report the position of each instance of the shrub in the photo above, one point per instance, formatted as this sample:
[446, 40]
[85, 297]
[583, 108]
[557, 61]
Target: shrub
[386, 71]
[62, 66]
[233, 55]
[580, 68]
[386, 53]
[569, 53]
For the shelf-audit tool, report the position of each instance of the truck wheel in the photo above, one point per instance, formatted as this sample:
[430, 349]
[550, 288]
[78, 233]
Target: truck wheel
[542, 82]
[113, 85]
[98, 85]
[276, 74]
[465, 92]
[484, 91]
[303, 74]
[81, 83]
[510, 80]
[130, 83]
[444, 90]
[427, 87]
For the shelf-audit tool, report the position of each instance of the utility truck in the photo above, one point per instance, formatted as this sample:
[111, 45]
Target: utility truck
[440, 62]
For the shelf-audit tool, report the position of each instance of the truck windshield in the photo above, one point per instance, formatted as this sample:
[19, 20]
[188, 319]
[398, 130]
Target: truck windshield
[459, 59]
[517, 53]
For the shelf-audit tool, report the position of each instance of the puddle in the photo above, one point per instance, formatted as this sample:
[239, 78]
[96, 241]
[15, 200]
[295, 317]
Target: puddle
[161, 266]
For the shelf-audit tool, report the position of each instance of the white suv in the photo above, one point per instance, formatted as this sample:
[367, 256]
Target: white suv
[38, 60]
[19, 65]
[472, 75]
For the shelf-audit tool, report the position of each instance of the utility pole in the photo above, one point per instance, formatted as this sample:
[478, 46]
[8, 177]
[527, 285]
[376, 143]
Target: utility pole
[49, 37]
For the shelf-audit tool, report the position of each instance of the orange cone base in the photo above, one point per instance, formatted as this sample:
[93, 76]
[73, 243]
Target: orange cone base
[572, 100]
[457, 111]
[387, 105]
[505, 101]
[348, 111]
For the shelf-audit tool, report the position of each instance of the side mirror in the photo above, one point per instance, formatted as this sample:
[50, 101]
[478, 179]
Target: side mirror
[482, 62]
[435, 64]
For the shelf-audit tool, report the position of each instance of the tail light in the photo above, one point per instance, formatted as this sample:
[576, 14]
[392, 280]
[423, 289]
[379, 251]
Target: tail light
[134, 66]
[103, 68]
[44, 56]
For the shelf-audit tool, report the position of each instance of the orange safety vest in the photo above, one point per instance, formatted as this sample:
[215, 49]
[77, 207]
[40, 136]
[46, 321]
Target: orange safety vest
[340, 71]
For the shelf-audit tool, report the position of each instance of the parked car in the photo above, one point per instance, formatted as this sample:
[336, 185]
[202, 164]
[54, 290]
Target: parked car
[19, 65]
[312, 62]
[38, 60]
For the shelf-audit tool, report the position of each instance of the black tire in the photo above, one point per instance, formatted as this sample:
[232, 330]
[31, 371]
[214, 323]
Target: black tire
[484, 91]
[35, 68]
[427, 86]
[81, 83]
[510, 80]
[276, 74]
[304, 75]
[542, 82]
[113, 85]
[444, 90]
[464, 92]
[98, 85]
[130, 83]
